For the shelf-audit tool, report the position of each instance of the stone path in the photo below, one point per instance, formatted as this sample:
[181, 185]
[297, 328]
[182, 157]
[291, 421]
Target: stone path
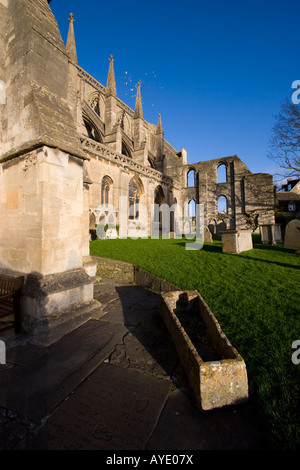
[115, 383]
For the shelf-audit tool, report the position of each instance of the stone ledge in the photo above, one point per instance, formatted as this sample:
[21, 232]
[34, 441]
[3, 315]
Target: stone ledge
[121, 271]
[47, 330]
[37, 285]
[116, 270]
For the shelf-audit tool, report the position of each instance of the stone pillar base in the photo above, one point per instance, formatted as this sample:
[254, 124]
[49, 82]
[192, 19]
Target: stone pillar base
[90, 266]
[54, 305]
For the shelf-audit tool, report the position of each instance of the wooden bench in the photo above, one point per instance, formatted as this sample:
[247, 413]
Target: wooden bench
[10, 293]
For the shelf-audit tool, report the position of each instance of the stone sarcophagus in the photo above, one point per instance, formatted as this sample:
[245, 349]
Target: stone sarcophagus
[215, 370]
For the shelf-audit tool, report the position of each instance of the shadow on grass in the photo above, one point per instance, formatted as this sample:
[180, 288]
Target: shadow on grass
[210, 247]
[282, 265]
[280, 248]
[217, 248]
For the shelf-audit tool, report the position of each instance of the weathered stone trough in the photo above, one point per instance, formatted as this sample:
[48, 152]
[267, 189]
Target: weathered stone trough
[215, 370]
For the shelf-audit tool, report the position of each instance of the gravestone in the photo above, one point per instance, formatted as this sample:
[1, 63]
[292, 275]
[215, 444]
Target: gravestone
[234, 241]
[292, 234]
[271, 234]
[207, 235]
[92, 221]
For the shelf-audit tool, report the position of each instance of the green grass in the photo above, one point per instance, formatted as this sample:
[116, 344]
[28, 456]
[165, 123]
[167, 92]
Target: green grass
[255, 297]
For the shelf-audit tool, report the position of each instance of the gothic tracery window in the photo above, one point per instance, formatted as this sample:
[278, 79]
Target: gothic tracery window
[134, 199]
[136, 190]
[105, 190]
[95, 105]
[158, 200]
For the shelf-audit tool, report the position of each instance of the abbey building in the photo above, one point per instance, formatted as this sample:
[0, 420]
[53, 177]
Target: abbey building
[68, 145]
[130, 157]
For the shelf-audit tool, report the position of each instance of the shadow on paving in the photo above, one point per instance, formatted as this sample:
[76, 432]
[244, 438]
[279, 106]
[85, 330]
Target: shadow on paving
[119, 386]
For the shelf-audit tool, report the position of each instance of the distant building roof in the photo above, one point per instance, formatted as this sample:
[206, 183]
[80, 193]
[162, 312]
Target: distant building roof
[290, 184]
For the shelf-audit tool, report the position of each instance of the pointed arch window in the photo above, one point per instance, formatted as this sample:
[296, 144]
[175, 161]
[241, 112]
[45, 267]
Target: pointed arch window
[134, 199]
[192, 208]
[222, 205]
[105, 190]
[191, 178]
[222, 173]
[159, 198]
[95, 105]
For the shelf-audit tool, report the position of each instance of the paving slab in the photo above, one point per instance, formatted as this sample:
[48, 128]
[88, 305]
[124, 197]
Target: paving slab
[114, 383]
[228, 428]
[33, 386]
[126, 316]
[147, 347]
[114, 409]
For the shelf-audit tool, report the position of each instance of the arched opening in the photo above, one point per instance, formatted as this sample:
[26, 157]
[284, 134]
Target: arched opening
[92, 132]
[222, 173]
[151, 162]
[95, 105]
[192, 208]
[159, 198]
[125, 150]
[222, 205]
[105, 190]
[135, 191]
[191, 178]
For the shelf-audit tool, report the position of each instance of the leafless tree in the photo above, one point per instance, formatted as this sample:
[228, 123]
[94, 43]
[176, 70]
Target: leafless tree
[285, 141]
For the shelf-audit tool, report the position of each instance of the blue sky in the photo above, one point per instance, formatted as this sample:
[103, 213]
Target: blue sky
[217, 71]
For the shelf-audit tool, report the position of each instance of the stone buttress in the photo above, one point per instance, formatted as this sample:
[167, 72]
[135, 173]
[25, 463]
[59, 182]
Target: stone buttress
[43, 196]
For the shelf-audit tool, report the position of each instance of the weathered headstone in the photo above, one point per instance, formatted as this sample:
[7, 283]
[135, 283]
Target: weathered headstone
[207, 235]
[292, 234]
[92, 221]
[271, 234]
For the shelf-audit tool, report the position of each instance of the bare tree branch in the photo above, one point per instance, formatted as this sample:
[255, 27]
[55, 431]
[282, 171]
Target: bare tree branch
[285, 141]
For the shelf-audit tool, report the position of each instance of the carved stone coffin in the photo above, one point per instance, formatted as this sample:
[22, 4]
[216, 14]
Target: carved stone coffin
[215, 370]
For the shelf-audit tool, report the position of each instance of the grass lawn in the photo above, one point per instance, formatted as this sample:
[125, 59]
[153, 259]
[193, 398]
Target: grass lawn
[255, 297]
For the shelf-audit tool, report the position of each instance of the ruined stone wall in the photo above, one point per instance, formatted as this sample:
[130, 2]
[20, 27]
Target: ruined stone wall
[247, 195]
[259, 198]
